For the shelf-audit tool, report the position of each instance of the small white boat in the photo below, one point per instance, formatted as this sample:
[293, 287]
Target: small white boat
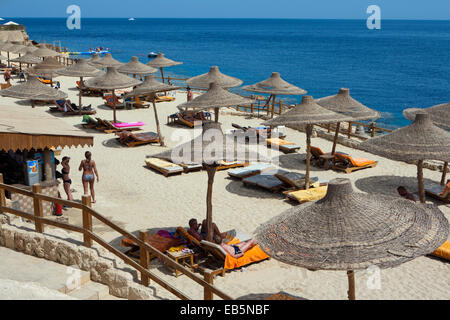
[131, 19]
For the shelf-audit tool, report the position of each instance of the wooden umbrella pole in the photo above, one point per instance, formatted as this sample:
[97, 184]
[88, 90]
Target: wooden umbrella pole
[80, 90]
[420, 181]
[114, 106]
[211, 170]
[444, 173]
[9, 63]
[273, 106]
[216, 114]
[162, 74]
[268, 104]
[351, 285]
[158, 129]
[309, 129]
[338, 125]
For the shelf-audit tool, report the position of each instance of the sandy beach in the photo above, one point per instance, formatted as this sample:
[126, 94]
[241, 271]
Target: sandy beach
[137, 198]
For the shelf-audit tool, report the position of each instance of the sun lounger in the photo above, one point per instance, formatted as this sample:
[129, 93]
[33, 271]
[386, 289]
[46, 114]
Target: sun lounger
[443, 251]
[294, 179]
[139, 139]
[73, 112]
[165, 167]
[191, 167]
[250, 170]
[312, 194]
[346, 163]
[109, 101]
[91, 123]
[224, 165]
[434, 189]
[266, 180]
[164, 98]
[137, 103]
[283, 145]
[116, 127]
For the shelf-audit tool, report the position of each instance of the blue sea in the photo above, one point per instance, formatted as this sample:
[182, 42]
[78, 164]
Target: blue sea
[405, 64]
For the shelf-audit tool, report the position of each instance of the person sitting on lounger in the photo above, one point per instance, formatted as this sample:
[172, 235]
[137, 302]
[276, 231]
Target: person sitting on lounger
[202, 235]
[446, 192]
[61, 104]
[405, 194]
[238, 250]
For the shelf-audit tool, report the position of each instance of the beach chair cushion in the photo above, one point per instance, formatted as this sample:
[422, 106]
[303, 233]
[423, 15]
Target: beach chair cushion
[312, 194]
[266, 180]
[356, 162]
[249, 170]
[316, 152]
[295, 179]
[128, 124]
[255, 254]
[279, 142]
[443, 251]
[166, 165]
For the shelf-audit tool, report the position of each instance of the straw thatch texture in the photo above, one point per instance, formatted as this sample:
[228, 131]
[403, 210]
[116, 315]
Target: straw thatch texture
[213, 146]
[2, 57]
[111, 80]
[421, 140]
[7, 46]
[28, 58]
[150, 85]
[93, 61]
[307, 112]
[136, 67]
[106, 61]
[48, 67]
[216, 97]
[33, 89]
[161, 61]
[214, 75]
[275, 85]
[439, 114]
[80, 69]
[17, 48]
[43, 51]
[343, 103]
[348, 231]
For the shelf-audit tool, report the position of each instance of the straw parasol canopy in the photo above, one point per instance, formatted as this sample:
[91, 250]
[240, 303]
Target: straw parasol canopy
[17, 48]
[343, 103]
[274, 86]
[162, 62]
[216, 97]
[307, 113]
[439, 114]
[209, 148]
[347, 230]
[214, 75]
[43, 51]
[48, 68]
[110, 81]
[33, 89]
[93, 61]
[28, 58]
[2, 57]
[419, 141]
[7, 48]
[136, 67]
[106, 61]
[150, 86]
[80, 69]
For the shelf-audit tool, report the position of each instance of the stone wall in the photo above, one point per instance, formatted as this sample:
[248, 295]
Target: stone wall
[121, 283]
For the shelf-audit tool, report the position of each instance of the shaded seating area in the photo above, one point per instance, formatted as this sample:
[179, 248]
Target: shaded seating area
[131, 139]
[136, 103]
[434, 190]
[108, 126]
[165, 167]
[312, 194]
[66, 108]
[188, 118]
[283, 145]
[266, 180]
[348, 164]
[113, 101]
[225, 165]
[90, 92]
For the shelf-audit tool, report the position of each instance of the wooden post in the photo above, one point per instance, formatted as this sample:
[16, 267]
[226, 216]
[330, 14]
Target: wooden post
[372, 129]
[349, 129]
[351, 285]
[48, 169]
[273, 106]
[2, 194]
[211, 170]
[87, 220]
[268, 104]
[280, 110]
[145, 258]
[158, 129]
[208, 295]
[329, 128]
[309, 129]
[216, 114]
[338, 125]
[38, 212]
[114, 106]
[420, 181]
[444, 173]
[80, 91]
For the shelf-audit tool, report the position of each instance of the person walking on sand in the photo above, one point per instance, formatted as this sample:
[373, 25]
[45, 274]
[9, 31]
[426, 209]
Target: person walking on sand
[190, 95]
[65, 177]
[88, 178]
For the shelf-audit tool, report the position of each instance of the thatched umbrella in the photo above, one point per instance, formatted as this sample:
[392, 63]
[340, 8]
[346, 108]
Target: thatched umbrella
[7, 48]
[136, 67]
[419, 141]
[307, 113]
[348, 230]
[274, 86]
[110, 81]
[162, 62]
[28, 58]
[106, 61]
[214, 75]
[47, 68]
[209, 148]
[93, 61]
[440, 115]
[43, 51]
[33, 89]
[80, 69]
[152, 86]
[343, 103]
[2, 57]
[216, 97]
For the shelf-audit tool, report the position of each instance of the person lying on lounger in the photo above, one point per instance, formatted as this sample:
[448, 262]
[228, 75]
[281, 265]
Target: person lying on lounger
[238, 250]
[127, 136]
[446, 192]
[405, 194]
[194, 227]
[61, 104]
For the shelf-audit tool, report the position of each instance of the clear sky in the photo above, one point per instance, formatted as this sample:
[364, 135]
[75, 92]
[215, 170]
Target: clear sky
[309, 9]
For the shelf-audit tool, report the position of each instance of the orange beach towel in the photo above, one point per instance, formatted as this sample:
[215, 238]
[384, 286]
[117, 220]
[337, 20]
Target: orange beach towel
[255, 254]
[356, 162]
[443, 251]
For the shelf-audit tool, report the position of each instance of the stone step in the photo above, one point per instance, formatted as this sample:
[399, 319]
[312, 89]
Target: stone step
[91, 291]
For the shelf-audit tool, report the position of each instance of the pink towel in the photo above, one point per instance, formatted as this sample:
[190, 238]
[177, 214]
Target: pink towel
[128, 124]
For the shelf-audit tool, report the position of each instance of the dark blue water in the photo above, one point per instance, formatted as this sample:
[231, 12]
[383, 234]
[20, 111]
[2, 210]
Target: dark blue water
[405, 64]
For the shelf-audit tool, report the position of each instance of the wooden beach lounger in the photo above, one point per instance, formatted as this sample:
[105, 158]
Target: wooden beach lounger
[137, 103]
[165, 167]
[72, 112]
[139, 139]
[111, 128]
[250, 170]
[312, 194]
[316, 160]
[191, 167]
[443, 251]
[110, 102]
[295, 180]
[346, 163]
[434, 189]
[266, 180]
[223, 165]
[283, 145]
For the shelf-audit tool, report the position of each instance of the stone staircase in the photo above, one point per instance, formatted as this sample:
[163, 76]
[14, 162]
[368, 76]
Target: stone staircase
[73, 282]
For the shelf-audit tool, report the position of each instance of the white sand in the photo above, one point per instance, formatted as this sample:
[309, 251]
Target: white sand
[138, 198]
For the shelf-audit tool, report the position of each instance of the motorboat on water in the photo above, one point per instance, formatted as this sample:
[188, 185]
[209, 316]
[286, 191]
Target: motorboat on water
[152, 55]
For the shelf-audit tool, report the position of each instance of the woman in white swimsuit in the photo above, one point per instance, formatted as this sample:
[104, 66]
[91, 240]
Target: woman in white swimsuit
[88, 178]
